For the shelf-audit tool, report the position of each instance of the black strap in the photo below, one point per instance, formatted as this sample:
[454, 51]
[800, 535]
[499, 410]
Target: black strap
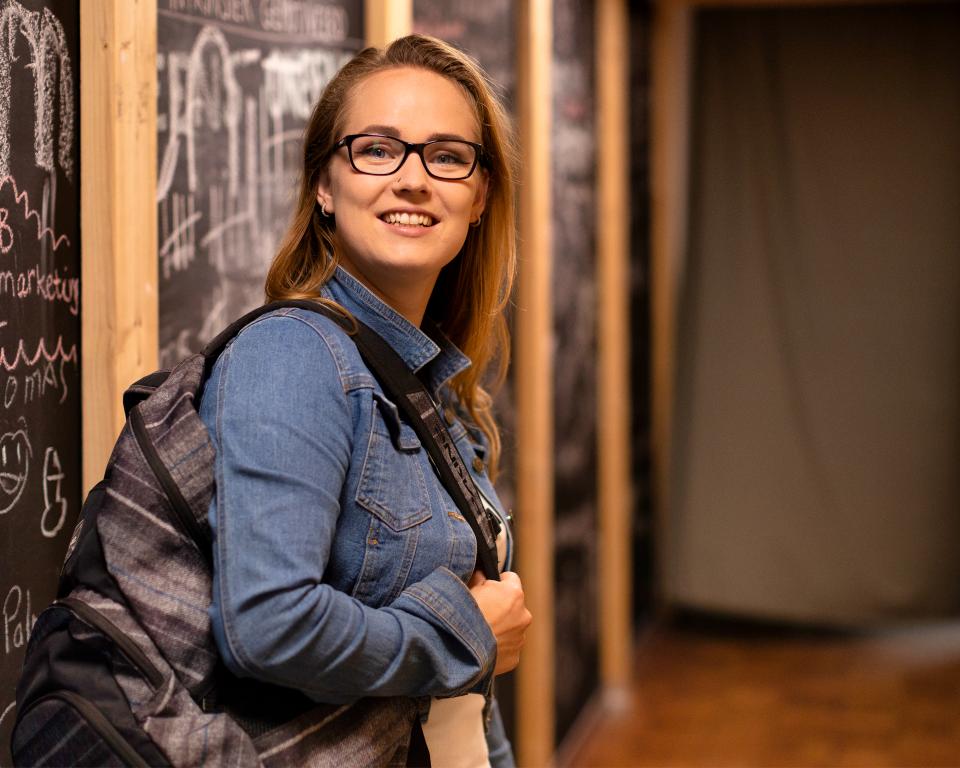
[417, 406]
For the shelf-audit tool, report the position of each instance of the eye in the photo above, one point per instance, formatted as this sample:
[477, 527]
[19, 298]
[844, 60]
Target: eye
[449, 153]
[375, 148]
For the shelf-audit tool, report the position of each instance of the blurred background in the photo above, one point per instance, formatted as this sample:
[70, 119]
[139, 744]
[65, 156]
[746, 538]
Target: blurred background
[732, 424]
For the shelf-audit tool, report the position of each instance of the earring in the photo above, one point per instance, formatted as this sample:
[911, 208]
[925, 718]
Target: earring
[477, 222]
[323, 209]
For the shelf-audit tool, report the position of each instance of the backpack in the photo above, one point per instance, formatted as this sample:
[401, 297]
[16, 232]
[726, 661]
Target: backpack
[122, 668]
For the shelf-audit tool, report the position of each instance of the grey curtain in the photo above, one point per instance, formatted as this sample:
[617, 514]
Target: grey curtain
[817, 433]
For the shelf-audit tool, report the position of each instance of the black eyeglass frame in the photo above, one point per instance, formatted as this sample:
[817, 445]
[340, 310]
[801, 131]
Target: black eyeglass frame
[408, 147]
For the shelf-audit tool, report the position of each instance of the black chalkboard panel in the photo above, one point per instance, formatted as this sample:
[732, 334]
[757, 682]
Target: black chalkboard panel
[39, 317]
[236, 84]
[573, 137]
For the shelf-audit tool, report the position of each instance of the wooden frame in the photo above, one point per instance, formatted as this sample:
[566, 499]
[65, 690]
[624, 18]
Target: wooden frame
[386, 20]
[533, 375]
[613, 332]
[118, 158]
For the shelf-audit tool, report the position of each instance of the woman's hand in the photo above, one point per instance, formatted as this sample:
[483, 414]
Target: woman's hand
[502, 605]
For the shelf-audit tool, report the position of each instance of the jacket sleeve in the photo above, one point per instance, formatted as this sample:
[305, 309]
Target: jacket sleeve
[282, 426]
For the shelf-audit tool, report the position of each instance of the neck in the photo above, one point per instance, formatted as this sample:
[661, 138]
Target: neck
[408, 297]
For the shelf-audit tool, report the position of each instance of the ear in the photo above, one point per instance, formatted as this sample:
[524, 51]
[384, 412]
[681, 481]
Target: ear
[325, 191]
[480, 199]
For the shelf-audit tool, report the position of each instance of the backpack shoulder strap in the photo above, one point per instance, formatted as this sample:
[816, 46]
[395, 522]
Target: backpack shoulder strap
[213, 349]
[417, 406]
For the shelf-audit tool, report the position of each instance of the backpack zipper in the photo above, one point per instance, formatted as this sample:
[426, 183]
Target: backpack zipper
[134, 654]
[99, 722]
[179, 504]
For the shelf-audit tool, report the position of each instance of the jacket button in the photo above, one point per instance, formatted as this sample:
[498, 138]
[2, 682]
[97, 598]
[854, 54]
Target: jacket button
[449, 416]
[477, 464]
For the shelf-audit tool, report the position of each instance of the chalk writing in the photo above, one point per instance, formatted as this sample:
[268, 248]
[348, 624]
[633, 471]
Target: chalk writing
[52, 77]
[54, 504]
[23, 200]
[237, 11]
[294, 80]
[49, 286]
[233, 114]
[324, 23]
[278, 21]
[15, 455]
[18, 619]
[6, 232]
[34, 385]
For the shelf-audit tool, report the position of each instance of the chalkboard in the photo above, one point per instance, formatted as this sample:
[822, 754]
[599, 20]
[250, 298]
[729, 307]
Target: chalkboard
[575, 358]
[236, 84]
[642, 534]
[39, 318]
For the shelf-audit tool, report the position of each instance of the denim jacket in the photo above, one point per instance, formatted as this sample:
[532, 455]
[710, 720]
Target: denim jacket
[340, 561]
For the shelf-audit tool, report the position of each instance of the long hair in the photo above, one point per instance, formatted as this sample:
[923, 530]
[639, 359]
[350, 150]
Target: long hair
[472, 291]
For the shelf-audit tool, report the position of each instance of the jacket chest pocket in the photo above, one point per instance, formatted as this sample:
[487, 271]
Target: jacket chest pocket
[392, 486]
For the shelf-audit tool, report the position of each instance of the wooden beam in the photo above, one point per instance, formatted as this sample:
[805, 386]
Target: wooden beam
[533, 371]
[613, 332]
[118, 156]
[386, 20]
[669, 128]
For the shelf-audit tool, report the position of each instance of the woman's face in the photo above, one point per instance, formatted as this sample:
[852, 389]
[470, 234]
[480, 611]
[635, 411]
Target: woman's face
[397, 260]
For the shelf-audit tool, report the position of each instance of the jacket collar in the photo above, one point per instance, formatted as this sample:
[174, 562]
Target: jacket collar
[427, 351]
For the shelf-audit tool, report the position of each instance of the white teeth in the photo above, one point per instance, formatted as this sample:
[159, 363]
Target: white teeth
[408, 219]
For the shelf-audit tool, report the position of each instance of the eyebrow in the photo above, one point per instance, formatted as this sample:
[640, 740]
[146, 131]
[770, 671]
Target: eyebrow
[389, 130]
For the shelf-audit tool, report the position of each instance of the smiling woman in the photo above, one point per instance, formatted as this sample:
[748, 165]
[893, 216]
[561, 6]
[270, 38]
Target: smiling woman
[398, 222]
[341, 566]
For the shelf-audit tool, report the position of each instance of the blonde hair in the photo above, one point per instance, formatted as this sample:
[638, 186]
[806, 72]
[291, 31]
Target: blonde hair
[472, 291]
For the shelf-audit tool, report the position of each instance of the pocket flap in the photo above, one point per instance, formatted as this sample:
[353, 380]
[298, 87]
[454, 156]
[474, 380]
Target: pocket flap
[401, 434]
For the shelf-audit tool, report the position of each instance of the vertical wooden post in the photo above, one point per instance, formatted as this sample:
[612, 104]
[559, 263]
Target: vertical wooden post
[386, 20]
[118, 158]
[533, 366]
[613, 371]
[670, 75]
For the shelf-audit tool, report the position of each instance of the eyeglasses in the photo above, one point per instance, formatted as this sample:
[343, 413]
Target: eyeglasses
[445, 159]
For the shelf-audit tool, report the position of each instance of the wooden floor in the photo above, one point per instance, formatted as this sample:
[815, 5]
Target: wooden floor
[713, 694]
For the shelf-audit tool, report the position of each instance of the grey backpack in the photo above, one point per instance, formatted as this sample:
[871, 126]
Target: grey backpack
[122, 668]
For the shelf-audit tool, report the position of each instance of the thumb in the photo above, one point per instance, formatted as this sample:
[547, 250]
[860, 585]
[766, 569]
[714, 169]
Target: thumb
[476, 579]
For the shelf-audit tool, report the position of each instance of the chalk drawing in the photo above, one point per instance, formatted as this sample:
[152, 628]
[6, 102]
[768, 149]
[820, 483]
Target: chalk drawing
[23, 200]
[54, 504]
[22, 357]
[15, 453]
[52, 78]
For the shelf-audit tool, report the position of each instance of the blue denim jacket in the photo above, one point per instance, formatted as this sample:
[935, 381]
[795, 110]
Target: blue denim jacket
[340, 561]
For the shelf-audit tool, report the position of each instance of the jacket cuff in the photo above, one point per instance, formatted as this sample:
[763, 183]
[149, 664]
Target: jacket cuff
[448, 599]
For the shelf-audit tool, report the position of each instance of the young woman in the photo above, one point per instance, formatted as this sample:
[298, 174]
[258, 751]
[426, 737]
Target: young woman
[341, 566]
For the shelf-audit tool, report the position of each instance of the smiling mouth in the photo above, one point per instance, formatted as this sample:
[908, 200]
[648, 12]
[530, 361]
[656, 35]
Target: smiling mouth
[9, 482]
[407, 219]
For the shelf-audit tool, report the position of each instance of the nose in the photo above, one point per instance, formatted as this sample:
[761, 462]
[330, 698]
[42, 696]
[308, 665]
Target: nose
[412, 173]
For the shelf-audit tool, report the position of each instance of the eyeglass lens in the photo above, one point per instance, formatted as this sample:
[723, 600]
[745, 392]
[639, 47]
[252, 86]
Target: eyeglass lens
[383, 155]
